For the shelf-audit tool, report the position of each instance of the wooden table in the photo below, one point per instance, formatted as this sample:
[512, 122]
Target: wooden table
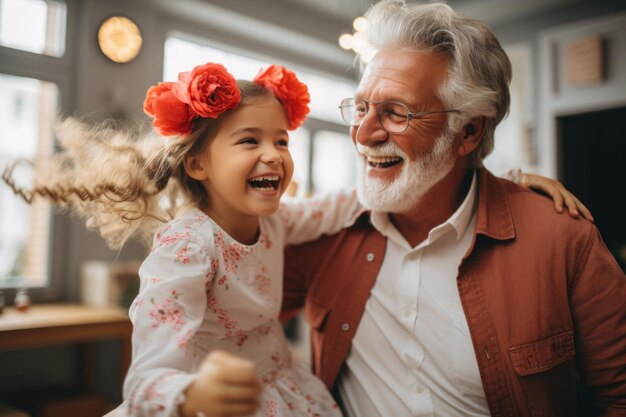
[55, 324]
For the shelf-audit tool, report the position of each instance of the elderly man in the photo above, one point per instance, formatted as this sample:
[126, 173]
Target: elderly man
[458, 293]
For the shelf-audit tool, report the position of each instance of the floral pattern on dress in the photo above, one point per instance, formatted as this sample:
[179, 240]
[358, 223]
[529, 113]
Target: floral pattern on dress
[162, 231]
[239, 337]
[223, 281]
[137, 303]
[265, 241]
[182, 340]
[168, 240]
[262, 283]
[151, 396]
[167, 311]
[181, 256]
[223, 318]
[317, 215]
[270, 408]
[232, 252]
[208, 277]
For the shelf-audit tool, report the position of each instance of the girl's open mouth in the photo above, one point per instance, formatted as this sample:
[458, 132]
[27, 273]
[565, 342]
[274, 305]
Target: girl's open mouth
[265, 183]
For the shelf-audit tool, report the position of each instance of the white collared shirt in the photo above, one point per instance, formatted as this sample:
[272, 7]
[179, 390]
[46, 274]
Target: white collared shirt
[412, 354]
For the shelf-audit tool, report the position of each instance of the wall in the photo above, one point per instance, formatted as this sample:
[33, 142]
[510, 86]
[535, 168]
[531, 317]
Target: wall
[105, 89]
[534, 31]
[558, 97]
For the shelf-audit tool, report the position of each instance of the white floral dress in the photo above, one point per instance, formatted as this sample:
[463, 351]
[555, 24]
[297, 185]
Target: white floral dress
[201, 290]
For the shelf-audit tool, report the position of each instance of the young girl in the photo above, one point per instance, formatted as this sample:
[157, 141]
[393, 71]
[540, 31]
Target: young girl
[206, 339]
[212, 281]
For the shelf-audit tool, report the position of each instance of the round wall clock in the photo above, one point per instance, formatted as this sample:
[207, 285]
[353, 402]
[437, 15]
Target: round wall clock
[119, 39]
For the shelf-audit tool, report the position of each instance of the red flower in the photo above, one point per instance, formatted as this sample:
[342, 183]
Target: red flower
[291, 92]
[171, 116]
[208, 89]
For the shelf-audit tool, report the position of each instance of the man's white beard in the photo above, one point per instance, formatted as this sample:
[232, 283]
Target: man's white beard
[417, 177]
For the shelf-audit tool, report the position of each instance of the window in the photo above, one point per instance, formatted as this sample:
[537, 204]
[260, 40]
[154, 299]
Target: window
[28, 108]
[323, 157]
[45, 23]
[334, 166]
[34, 75]
[299, 145]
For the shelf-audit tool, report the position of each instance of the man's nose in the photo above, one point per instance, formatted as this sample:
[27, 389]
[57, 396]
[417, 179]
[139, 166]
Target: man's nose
[370, 131]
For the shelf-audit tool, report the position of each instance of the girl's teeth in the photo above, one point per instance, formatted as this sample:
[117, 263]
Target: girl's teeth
[265, 183]
[269, 178]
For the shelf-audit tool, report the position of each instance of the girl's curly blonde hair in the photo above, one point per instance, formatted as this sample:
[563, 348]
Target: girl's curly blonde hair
[124, 184]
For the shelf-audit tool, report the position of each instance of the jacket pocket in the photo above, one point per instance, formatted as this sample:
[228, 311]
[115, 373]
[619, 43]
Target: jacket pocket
[543, 355]
[547, 374]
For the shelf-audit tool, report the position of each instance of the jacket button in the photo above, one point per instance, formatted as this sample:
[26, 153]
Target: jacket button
[345, 327]
[370, 257]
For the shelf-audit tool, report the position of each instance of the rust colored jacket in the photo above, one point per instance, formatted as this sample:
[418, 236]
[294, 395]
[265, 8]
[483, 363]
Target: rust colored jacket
[544, 300]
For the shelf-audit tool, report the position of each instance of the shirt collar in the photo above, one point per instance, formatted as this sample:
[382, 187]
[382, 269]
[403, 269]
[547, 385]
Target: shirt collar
[458, 222]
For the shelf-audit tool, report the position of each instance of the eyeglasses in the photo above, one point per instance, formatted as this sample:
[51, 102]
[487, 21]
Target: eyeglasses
[393, 116]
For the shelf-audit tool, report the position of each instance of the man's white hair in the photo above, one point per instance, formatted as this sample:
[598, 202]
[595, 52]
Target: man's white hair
[479, 70]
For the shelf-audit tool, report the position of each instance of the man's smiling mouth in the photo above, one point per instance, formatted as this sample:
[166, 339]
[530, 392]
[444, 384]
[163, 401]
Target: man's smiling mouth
[383, 162]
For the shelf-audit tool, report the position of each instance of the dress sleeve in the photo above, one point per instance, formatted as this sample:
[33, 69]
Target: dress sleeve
[308, 219]
[166, 314]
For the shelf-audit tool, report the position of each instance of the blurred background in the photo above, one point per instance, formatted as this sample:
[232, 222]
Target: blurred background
[96, 59]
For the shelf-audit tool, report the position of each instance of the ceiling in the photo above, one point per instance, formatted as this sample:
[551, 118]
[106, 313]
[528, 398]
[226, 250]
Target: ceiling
[342, 9]
[494, 12]
[307, 31]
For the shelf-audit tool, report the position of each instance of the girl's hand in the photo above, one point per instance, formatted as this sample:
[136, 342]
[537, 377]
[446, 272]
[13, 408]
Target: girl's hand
[226, 386]
[559, 194]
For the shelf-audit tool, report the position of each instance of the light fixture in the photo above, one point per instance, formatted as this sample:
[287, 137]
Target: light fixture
[357, 41]
[360, 24]
[119, 39]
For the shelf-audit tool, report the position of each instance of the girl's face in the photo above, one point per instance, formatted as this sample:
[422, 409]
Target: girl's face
[247, 166]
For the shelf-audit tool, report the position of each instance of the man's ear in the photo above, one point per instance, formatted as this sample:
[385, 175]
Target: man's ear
[471, 135]
[195, 167]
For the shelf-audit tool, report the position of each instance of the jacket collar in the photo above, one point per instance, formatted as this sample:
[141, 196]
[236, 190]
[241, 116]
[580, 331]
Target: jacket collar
[493, 217]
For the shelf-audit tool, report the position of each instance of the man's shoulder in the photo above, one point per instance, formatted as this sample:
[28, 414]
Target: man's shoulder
[531, 209]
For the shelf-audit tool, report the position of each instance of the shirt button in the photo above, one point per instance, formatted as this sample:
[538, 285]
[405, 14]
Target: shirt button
[370, 257]
[345, 327]
[407, 312]
[419, 388]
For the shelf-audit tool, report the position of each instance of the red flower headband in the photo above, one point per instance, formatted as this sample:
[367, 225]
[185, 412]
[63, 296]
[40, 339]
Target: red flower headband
[292, 93]
[209, 90]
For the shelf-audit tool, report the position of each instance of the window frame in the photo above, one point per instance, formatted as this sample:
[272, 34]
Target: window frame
[316, 126]
[60, 71]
